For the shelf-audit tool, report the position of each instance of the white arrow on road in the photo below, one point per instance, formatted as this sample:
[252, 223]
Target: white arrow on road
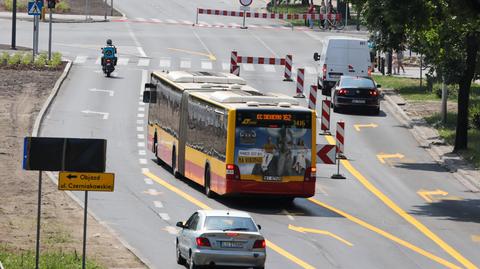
[100, 90]
[104, 114]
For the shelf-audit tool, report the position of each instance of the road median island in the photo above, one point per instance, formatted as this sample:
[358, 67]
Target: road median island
[23, 91]
[419, 109]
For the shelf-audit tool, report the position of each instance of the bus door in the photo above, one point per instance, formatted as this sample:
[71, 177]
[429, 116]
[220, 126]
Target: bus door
[182, 136]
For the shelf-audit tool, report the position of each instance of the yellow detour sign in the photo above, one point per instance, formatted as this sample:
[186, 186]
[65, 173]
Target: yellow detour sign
[75, 181]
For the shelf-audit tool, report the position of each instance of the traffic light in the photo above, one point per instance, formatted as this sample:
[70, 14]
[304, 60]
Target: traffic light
[51, 3]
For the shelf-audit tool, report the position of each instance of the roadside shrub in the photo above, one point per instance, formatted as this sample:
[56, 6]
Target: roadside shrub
[475, 116]
[41, 60]
[56, 60]
[4, 57]
[452, 91]
[21, 5]
[27, 59]
[15, 59]
[62, 7]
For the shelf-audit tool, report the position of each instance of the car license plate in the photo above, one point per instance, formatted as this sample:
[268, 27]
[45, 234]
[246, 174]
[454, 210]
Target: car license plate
[333, 75]
[356, 101]
[231, 244]
[272, 178]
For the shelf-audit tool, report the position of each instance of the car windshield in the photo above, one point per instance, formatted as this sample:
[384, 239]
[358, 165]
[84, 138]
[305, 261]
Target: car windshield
[353, 82]
[225, 223]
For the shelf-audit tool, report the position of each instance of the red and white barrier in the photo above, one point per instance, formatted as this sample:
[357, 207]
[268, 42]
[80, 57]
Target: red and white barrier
[340, 137]
[288, 68]
[325, 123]
[312, 99]
[234, 68]
[300, 82]
[257, 15]
[235, 60]
[326, 154]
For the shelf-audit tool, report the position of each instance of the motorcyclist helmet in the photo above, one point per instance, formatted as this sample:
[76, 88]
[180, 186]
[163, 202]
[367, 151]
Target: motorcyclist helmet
[109, 42]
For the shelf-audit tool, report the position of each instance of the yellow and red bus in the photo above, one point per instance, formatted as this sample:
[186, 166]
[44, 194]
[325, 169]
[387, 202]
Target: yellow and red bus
[230, 138]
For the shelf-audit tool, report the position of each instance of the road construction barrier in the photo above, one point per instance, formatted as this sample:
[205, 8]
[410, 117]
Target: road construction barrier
[235, 60]
[300, 82]
[326, 154]
[312, 99]
[340, 137]
[325, 122]
[257, 15]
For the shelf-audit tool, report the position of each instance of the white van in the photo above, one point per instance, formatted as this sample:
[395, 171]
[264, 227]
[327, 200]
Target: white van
[342, 56]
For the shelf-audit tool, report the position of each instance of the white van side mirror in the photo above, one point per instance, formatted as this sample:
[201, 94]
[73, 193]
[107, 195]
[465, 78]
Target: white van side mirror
[316, 56]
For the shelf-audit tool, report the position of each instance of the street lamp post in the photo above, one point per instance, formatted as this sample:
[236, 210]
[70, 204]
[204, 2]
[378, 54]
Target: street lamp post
[14, 24]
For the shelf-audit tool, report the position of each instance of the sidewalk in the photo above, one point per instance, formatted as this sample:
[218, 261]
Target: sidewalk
[63, 18]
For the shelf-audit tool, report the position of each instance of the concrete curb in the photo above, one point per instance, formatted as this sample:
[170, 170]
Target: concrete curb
[36, 132]
[459, 168]
[49, 101]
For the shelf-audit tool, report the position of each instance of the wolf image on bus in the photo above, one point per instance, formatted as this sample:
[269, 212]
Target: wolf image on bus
[230, 138]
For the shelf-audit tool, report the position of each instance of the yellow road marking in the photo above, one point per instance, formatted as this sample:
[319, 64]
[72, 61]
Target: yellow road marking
[209, 55]
[381, 157]
[358, 126]
[198, 203]
[315, 231]
[427, 195]
[417, 224]
[386, 235]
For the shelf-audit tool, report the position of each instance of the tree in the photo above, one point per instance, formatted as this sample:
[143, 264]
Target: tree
[447, 32]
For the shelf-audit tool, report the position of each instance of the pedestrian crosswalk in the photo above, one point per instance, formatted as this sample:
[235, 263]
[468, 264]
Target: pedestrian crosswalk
[170, 63]
[208, 24]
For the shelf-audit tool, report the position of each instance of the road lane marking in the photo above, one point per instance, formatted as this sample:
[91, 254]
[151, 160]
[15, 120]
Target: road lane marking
[209, 55]
[359, 126]
[414, 222]
[141, 109]
[142, 161]
[385, 234]
[141, 122]
[315, 231]
[286, 213]
[248, 67]
[152, 192]
[110, 92]
[142, 152]
[80, 59]
[140, 115]
[225, 66]
[140, 129]
[148, 181]
[141, 136]
[185, 64]
[206, 65]
[145, 170]
[202, 205]
[427, 195]
[141, 144]
[164, 216]
[143, 62]
[269, 68]
[383, 157]
[157, 204]
[311, 70]
[104, 114]
[171, 230]
[165, 62]
[122, 61]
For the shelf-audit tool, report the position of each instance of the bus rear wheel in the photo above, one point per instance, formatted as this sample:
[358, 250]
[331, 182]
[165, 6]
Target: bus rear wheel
[208, 192]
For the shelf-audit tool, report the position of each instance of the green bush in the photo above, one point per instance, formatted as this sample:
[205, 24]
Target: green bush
[4, 57]
[15, 59]
[27, 59]
[62, 7]
[41, 60]
[21, 5]
[475, 116]
[56, 60]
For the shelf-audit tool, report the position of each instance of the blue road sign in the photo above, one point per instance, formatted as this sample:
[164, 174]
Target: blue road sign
[35, 8]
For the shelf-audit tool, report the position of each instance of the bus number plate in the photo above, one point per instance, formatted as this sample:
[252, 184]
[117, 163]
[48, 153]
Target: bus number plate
[272, 178]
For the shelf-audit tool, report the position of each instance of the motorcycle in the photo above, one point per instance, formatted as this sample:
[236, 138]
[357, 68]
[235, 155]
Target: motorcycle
[108, 60]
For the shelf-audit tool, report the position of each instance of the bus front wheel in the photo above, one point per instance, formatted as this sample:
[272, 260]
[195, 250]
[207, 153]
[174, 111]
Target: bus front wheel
[208, 191]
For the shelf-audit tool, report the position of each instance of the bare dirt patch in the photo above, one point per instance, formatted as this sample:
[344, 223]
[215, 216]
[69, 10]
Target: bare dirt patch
[424, 109]
[22, 94]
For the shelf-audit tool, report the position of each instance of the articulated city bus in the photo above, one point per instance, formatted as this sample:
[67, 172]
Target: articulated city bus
[217, 131]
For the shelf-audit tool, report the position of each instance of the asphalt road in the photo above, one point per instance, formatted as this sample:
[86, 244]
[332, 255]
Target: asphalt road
[376, 218]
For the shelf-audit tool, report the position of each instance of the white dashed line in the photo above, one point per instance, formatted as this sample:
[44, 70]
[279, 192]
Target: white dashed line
[164, 216]
[122, 61]
[206, 65]
[139, 129]
[142, 152]
[148, 181]
[185, 64]
[141, 115]
[269, 68]
[145, 170]
[140, 122]
[141, 103]
[141, 144]
[165, 63]
[248, 67]
[140, 136]
[156, 20]
[143, 62]
[80, 59]
[142, 161]
[172, 21]
[158, 204]
[141, 109]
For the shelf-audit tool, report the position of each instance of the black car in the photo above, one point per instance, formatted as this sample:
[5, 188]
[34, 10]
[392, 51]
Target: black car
[356, 92]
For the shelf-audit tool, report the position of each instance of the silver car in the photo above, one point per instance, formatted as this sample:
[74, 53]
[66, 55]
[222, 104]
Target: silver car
[220, 238]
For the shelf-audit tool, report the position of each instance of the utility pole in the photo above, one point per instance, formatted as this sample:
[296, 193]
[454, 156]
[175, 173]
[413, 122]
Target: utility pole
[14, 24]
[111, 8]
[106, 10]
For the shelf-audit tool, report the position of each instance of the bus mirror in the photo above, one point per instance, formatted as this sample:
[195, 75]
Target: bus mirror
[149, 97]
[316, 56]
[150, 86]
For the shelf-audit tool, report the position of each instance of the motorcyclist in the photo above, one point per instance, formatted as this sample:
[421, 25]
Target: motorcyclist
[109, 52]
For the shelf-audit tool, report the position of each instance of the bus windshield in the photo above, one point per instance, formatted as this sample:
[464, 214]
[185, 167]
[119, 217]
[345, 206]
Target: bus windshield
[272, 145]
